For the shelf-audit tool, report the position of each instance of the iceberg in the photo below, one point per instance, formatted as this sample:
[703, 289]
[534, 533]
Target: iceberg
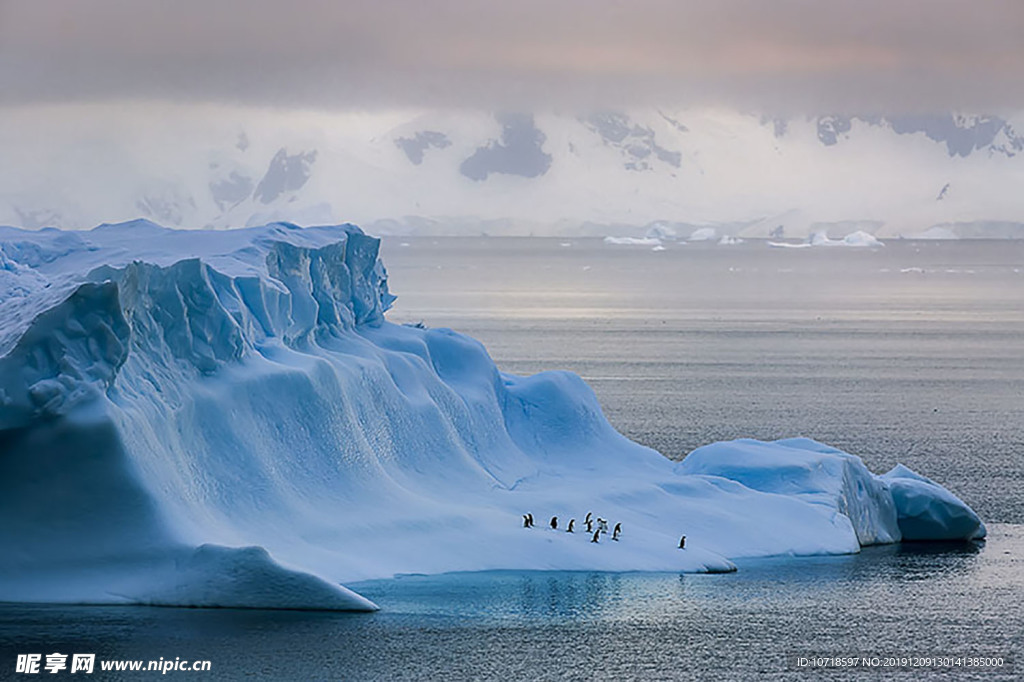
[789, 245]
[859, 239]
[632, 241]
[227, 418]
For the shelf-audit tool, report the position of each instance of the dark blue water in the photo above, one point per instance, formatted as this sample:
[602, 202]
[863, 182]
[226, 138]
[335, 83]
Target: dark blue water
[913, 599]
[914, 353]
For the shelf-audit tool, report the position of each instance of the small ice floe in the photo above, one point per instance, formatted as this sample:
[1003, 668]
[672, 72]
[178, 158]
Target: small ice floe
[632, 241]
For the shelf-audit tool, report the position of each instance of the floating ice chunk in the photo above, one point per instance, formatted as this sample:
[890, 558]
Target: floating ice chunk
[789, 245]
[632, 241]
[861, 238]
[855, 239]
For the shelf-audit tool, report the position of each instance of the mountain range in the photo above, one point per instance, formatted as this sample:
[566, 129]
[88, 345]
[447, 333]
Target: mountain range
[546, 173]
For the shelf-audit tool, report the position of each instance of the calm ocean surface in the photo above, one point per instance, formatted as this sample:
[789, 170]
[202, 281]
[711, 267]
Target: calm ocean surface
[912, 353]
[903, 600]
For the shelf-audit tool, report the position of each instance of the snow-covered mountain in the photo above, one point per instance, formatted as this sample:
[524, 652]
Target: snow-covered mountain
[470, 172]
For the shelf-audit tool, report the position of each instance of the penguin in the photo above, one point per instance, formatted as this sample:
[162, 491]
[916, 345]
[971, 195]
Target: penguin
[615, 533]
[526, 521]
[602, 525]
[529, 520]
[597, 534]
[572, 522]
[682, 542]
[587, 520]
[554, 523]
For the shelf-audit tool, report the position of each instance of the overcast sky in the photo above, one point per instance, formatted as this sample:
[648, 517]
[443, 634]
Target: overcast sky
[785, 56]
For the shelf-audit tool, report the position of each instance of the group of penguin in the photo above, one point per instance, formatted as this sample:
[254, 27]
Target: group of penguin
[589, 522]
[602, 527]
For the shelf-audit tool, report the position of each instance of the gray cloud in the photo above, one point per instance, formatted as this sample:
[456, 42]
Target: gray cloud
[781, 55]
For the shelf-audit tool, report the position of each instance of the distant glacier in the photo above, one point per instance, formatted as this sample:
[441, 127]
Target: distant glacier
[467, 172]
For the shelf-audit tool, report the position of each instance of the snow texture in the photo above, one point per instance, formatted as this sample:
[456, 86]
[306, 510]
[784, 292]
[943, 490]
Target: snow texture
[789, 245]
[225, 418]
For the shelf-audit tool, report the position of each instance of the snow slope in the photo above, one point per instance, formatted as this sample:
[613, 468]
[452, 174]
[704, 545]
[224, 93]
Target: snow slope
[227, 419]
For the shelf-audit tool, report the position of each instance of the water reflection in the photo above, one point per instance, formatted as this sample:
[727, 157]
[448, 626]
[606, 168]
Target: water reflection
[945, 548]
[566, 596]
[911, 597]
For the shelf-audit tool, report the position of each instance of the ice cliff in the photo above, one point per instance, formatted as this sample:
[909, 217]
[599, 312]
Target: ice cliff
[227, 419]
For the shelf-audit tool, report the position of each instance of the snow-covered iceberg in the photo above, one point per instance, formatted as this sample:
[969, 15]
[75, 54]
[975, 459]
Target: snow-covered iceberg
[227, 419]
[632, 241]
[858, 239]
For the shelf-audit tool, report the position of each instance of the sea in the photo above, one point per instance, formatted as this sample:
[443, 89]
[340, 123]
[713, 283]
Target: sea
[912, 353]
